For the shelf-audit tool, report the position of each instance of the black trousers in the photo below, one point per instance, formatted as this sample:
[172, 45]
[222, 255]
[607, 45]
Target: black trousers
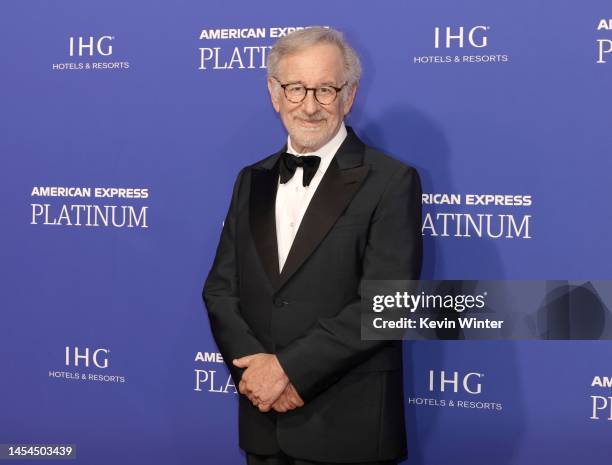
[282, 459]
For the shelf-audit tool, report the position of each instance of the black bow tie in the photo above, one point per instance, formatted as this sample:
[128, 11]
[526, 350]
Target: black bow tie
[289, 163]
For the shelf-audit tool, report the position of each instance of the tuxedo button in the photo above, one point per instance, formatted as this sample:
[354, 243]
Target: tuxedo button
[278, 302]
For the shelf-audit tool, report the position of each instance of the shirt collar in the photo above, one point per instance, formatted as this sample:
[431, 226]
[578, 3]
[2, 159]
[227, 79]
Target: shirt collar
[326, 152]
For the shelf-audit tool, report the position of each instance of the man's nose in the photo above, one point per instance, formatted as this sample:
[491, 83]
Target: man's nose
[310, 104]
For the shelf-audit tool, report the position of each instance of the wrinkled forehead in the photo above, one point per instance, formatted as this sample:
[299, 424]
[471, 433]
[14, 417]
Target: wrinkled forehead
[315, 65]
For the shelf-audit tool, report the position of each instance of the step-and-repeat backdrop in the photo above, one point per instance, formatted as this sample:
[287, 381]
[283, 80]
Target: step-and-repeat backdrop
[122, 128]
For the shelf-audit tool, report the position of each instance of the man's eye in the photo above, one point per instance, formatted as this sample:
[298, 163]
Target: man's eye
[295, 89]
[325, 91]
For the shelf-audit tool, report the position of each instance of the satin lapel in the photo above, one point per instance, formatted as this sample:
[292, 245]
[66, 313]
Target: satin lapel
[333, 195]
[264, 184]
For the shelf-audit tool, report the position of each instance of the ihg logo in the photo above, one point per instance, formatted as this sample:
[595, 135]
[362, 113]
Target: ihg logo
[461, 37]
[80, 46]
[76, 357]
[469, 383]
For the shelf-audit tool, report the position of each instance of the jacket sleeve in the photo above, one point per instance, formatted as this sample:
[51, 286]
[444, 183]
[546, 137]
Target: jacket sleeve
[232, 334]
[393, 251]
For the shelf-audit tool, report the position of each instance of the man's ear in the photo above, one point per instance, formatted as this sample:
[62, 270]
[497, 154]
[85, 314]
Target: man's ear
[273, 94]
[350, 98]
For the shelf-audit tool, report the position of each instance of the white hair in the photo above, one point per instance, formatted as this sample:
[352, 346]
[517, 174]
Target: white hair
[304, 38]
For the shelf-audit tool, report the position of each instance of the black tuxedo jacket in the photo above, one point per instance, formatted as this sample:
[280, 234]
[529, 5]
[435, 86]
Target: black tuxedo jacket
[363, 222]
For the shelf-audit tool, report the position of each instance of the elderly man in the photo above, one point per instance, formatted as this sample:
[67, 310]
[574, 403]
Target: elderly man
[305, 226]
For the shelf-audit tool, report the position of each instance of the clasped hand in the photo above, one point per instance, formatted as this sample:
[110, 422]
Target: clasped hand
[265, 383]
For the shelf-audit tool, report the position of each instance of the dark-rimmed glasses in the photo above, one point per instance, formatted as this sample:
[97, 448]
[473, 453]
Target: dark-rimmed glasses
[296, 92]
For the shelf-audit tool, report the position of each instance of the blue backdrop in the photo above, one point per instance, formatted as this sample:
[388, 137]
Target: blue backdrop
[104, 339]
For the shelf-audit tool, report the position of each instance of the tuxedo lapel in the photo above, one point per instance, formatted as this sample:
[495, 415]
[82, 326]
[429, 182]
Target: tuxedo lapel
[341, 181]
[264, 184]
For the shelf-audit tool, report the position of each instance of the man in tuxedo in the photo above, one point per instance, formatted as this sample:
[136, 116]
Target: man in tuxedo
[305, 226]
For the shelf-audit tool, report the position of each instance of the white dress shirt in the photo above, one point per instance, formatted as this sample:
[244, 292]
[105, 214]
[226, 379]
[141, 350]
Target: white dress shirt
[292, 198]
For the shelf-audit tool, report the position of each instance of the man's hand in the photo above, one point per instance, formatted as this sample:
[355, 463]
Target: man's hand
[288, 400]
[263, 380]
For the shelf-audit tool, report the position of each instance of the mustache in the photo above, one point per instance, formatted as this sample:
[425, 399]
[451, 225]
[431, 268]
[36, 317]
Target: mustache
[311, 118]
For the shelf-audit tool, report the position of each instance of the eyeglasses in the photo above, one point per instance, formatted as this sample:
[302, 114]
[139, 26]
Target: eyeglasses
[296, 92]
